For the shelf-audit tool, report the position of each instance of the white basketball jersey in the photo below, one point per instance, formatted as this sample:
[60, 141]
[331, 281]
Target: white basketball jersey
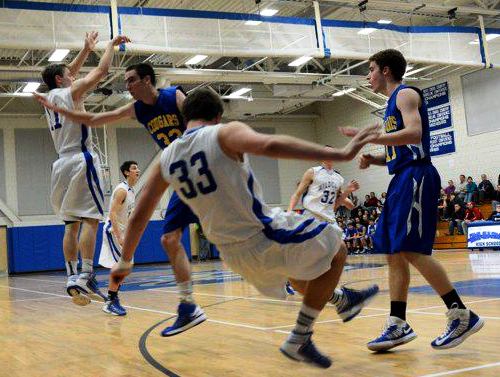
[223, 193]
[322, 193]
[68, 136]
[127, 208]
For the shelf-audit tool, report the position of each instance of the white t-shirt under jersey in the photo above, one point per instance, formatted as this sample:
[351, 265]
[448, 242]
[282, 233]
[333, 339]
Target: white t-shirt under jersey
[68, 136]
[321, 194]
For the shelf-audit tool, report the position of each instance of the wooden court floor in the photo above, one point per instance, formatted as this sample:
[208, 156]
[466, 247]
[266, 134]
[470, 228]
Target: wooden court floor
[43, 334]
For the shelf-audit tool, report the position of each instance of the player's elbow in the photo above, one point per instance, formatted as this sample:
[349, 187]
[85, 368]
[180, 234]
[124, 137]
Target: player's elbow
[270, 147]
[415, 136]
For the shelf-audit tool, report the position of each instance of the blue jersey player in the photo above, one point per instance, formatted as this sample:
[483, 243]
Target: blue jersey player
[407, 225]
[158, 110]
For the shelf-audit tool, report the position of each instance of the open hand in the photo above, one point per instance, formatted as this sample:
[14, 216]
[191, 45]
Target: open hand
[45, 102]
[120, 39]
[353, 186]
[91, 40]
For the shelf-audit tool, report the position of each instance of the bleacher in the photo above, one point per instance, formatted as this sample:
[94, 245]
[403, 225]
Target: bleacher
[457, 241]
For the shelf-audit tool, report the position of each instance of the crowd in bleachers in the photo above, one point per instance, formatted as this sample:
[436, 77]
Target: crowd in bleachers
[458, 205]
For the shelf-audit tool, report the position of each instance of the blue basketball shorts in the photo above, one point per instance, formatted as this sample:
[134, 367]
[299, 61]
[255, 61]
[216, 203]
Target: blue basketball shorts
[409, 218]
[178, 215]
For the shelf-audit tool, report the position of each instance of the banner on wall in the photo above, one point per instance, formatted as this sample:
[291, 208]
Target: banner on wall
[484, 234]
[438, 106]
[442, 143]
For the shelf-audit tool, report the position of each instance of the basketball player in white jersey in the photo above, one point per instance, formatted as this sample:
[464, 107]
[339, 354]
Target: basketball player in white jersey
[209, 170]
[121, 205]
[76, 194]
[321, 191]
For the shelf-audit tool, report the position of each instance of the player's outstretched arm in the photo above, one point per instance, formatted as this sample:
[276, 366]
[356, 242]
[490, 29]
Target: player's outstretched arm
[89, 119]
[306, 180]
[91, 40]
[237, 138]
[408, 102]
[148, 201]
[92, 79]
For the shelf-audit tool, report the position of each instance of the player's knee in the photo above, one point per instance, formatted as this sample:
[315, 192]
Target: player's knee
[170, 241]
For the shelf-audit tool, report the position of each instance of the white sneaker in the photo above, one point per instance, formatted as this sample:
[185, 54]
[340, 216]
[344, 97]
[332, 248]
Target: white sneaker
[76, 297]
[395, 333]
[86, 285]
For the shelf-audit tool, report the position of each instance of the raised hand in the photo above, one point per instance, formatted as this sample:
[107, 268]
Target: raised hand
[120, 39]
[45, 102]
[352, 186]
[91, 40]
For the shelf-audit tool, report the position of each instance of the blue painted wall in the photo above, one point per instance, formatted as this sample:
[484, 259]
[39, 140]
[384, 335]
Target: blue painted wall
[39, 248]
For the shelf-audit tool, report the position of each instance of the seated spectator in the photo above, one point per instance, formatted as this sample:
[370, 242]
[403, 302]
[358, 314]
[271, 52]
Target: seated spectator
[461, 188]
[455, 199]
[471, 214]
[372, 202]
[486, 189]
[374, 213]
[496, 197]
[442, 204]
[360, 237]
[365, 219]
[370, 231]
[350, 237]
[456, 219]
[448, 190]
[470, 190]
[382, 198]
[495, 216]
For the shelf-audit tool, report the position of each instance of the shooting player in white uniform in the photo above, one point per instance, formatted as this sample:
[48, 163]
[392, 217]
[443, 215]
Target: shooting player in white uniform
[76, 194]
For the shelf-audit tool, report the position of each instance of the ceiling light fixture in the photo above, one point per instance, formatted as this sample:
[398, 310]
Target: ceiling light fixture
[58, 55]
[299, 61]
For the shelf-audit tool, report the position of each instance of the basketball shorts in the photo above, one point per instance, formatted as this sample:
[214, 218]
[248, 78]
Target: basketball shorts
[111, 251]
[409, 218]
[318, 217]
[75, 187]
[178, 215]
[301, 248]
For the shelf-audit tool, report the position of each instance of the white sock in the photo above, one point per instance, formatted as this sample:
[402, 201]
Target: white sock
[87, 265]
[185, 290]
[305, 319]
[71, 267]
[336, 296]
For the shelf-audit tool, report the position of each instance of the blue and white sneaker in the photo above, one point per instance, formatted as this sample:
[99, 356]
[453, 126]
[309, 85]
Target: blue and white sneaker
[86, 286]
[114, 307]
[189, 315]
[289, 289]
[396, 332]
[352, 301]
[462, 323]
[76, 297]
[302, 349]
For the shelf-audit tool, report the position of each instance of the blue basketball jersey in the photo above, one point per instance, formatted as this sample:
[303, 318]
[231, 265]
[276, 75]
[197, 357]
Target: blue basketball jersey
[162, 120]
[397, 157]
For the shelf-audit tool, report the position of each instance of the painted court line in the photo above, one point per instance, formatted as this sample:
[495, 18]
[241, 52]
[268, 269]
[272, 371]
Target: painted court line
[456, 371]
[33, 299]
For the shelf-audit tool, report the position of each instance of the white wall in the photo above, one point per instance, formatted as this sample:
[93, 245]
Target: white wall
[289, 171]
[474, 154]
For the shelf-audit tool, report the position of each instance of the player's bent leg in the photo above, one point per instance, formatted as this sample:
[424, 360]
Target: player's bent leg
[87, 283]
[189, 313]
[299, 345]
